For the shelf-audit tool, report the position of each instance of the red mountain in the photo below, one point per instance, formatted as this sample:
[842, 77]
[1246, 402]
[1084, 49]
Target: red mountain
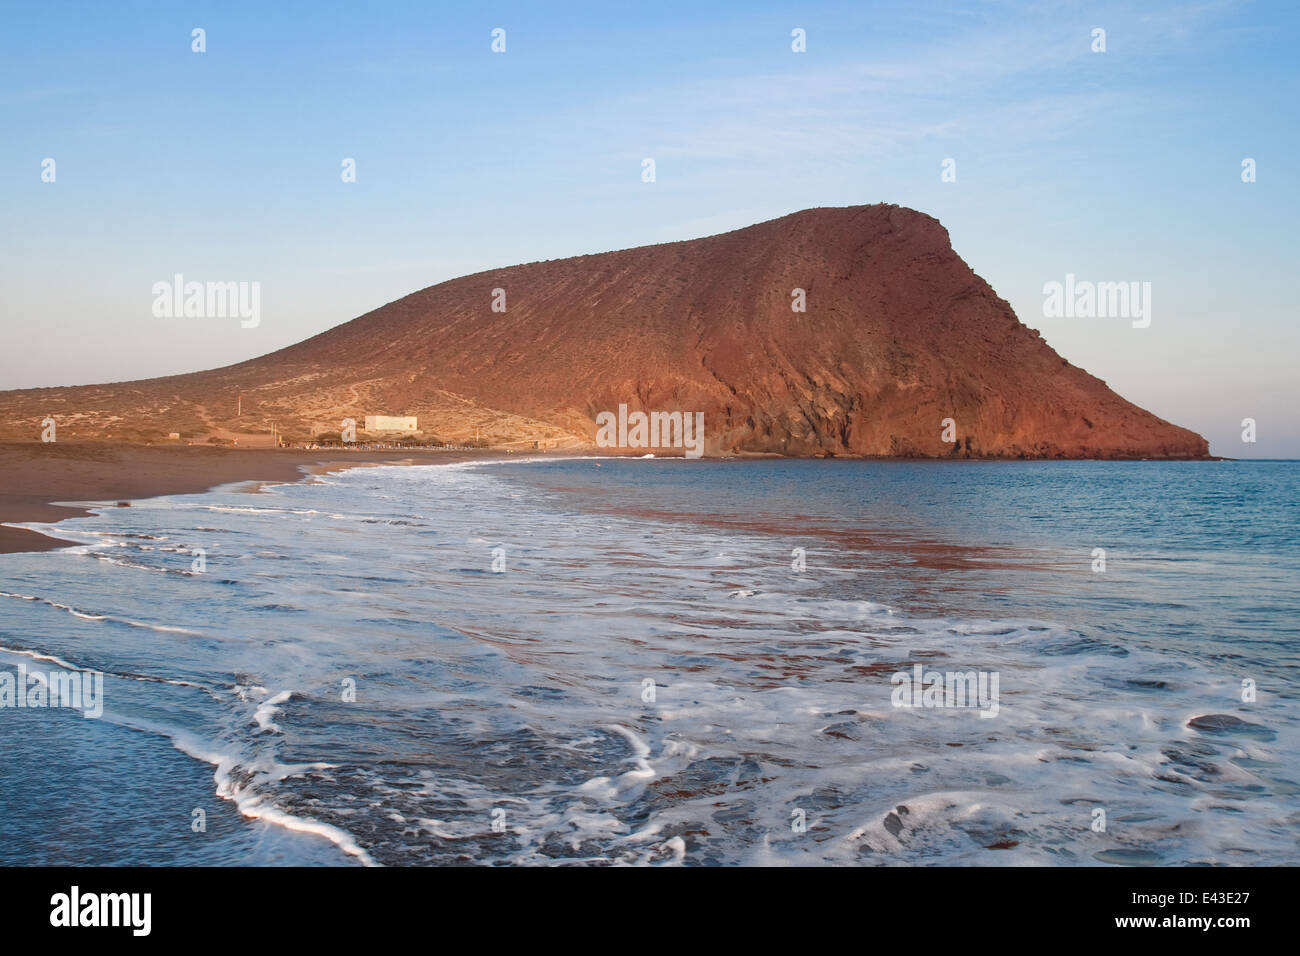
[898, 334]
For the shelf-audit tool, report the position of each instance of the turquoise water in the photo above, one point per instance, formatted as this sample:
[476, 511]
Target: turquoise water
[658, 661]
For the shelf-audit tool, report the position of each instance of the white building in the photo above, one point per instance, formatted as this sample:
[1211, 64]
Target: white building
[390, 423]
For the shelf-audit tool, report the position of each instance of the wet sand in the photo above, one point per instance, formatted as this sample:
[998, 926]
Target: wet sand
[34, 475]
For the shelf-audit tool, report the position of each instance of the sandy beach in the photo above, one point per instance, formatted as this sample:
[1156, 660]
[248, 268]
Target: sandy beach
[35, 475]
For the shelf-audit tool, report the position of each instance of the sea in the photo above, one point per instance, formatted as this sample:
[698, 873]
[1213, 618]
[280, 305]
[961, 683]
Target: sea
[668, 662]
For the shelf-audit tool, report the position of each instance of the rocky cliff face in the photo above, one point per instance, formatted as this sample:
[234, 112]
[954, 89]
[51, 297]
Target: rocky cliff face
[898, 335]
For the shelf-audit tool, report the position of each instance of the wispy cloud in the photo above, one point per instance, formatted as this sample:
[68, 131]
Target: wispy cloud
[1022, 75]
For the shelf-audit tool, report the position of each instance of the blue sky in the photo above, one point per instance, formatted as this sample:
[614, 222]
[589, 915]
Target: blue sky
[1114, 166]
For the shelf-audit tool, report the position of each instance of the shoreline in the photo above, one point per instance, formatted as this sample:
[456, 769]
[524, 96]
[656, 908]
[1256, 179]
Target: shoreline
[34, 476]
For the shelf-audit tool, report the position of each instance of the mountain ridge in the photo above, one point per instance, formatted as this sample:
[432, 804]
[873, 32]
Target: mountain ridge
[899, 334]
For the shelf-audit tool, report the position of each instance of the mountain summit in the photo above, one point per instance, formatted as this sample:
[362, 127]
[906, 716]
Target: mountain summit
[897, 336]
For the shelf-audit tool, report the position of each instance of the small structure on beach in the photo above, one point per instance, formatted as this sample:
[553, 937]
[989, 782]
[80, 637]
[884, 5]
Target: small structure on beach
[390, 423]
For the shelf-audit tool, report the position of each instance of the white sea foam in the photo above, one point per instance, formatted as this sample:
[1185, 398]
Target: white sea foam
[523, 692]
[268, 709]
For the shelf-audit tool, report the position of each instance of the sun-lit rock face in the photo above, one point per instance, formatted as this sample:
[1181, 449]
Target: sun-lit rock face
[897, 335]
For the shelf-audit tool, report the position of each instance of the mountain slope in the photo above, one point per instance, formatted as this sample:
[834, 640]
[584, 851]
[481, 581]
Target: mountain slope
[898, 335]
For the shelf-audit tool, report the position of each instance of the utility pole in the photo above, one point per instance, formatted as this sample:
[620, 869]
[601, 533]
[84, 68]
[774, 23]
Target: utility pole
[239, 406]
